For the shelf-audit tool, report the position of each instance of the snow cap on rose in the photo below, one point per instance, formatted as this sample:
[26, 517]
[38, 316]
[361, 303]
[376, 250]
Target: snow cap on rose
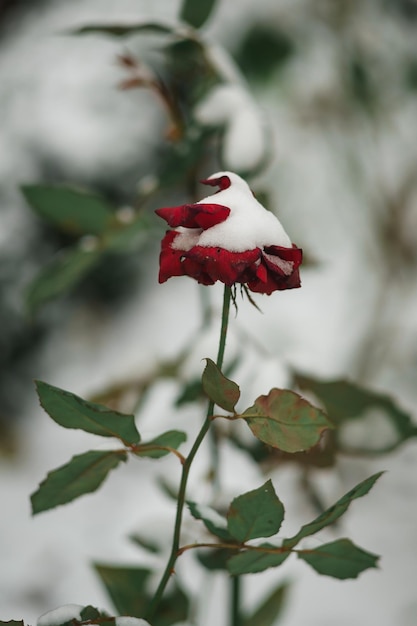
[229, 236]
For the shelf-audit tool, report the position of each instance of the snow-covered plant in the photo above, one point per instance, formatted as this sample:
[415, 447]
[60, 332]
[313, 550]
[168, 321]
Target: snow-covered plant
[230, 238]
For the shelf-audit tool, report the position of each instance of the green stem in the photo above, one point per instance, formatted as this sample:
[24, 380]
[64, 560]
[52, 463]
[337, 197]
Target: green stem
[235, 616]
[169, 569]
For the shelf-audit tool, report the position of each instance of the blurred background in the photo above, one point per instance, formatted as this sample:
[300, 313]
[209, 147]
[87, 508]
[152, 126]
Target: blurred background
[314, 102]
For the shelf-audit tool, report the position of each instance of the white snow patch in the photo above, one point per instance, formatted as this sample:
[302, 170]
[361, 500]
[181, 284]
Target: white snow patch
[244, 140]
[245, 230]
[187, 238]
[249, 224]
[61, 615]
[220, 104]
[131, 621]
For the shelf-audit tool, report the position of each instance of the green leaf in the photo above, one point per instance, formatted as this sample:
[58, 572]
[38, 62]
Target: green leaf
[191, 392]
[286, 421]
[60, 276]
[360, 82]
[71, 411]
[339, 559]
[213, 521]
[181, 156]
[196, 12]
[155, 447]
[71, 210]
[215, 559]
[123, 30]
[253, 561]
[329, 516]
[83, 474]
[126, 587]
[12, 622]
[347, 402]
[257, 513]
[146, 543]
[91, 613]
[167, 488]
[222, 391]
[173, 608]
[261, 52]
[269, 610]
[125, 237]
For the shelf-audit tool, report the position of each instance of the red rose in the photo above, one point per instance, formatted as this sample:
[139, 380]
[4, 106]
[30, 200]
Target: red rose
[229, 236]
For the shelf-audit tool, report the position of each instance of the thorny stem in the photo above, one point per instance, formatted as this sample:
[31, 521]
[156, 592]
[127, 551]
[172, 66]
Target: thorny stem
[169, 569]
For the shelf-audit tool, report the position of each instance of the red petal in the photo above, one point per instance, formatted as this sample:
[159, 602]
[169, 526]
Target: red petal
[278, 276]
[293, 254]
[209, 215]
[194, 215]
[169, 259]
[283, 262]
[262, 273]
[220, 264]
[222, 181]
[260, 286]
[196, 270]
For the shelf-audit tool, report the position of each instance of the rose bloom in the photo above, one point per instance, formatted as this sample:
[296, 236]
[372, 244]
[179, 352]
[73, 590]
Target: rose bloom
[229, 236]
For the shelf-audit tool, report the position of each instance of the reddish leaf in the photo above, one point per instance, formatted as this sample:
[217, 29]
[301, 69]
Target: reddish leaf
[286, 421]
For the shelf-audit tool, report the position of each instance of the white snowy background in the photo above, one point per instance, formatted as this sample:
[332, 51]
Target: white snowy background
[355, 315]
